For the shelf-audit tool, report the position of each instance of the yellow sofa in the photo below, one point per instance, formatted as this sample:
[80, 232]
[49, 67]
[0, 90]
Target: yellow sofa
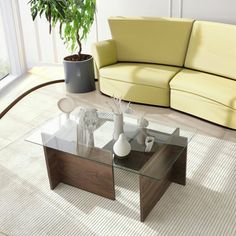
[142, 57]
[179, 63]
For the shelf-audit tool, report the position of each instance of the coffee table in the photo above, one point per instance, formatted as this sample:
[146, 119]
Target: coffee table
[92, 168]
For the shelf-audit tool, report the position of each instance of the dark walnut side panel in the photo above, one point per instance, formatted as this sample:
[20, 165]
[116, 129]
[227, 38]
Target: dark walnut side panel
[52, 167]
[164, 168]
[180, 168]
[82, 173]
[151, 192]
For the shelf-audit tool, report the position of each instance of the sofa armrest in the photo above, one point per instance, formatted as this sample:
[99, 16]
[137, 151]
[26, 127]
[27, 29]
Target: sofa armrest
[104, 53]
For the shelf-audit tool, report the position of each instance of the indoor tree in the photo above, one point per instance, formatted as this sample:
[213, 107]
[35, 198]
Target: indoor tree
[74, 19]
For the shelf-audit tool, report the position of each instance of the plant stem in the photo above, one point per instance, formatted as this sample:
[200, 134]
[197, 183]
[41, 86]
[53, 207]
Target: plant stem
[50, 18]
[79, 43]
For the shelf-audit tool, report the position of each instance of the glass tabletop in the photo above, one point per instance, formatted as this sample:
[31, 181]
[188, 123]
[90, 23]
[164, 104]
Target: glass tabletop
[61, 133]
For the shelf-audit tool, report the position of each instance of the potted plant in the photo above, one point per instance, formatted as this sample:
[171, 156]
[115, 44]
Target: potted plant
[74, 19]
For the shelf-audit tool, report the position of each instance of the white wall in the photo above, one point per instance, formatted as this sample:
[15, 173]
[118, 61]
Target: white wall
[106, 8]
[29, 34]
[213, 10]
[42, 47]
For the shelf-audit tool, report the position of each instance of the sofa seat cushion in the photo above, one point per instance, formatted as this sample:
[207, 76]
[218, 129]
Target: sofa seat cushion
[140, 73]
[212, 87]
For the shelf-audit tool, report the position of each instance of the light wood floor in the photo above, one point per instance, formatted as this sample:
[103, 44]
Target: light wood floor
[40, 105]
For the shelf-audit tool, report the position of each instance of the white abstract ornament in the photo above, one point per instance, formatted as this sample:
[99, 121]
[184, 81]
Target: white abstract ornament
[88, 120]
[142, 132]
[66, 105]
[122, 147]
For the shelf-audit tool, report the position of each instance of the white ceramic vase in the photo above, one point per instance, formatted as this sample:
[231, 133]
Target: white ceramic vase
[122, 147]
[118, 125]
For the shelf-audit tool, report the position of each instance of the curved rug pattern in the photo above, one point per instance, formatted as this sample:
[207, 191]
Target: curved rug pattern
[9, 107]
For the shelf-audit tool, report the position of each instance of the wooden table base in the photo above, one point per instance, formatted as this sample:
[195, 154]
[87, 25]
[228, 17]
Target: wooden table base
[79, 172]
[151, 190]
[99, 178]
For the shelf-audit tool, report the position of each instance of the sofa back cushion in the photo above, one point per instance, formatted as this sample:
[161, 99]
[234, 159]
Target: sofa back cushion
[151, 40]
[212, 48]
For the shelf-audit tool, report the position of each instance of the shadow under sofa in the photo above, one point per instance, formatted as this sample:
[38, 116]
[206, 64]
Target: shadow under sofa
[184, 64]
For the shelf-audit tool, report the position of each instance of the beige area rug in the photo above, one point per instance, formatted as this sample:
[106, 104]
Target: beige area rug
[2, 234]
[205, 206]
[34, 77]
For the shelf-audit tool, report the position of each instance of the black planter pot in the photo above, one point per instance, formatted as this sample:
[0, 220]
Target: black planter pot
[79, 75]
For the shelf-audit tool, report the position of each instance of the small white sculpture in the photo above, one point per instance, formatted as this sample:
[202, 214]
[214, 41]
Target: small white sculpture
[142, 132]
[149, 141]
[122, 147]
[88, 120]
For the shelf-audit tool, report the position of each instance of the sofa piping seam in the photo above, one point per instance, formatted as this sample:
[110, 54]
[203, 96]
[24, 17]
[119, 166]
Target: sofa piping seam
[134, 83]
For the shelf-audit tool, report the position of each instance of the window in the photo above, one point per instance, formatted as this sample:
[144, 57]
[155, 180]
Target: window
[4, 62]
[12, 58]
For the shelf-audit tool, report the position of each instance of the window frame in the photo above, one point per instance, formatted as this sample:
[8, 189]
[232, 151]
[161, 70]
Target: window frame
[14, 39]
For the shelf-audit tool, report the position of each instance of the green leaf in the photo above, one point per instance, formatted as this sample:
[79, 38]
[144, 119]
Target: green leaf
[75, 18]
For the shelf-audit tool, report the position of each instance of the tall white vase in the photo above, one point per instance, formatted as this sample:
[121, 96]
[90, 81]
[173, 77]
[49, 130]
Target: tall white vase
[118, 125]
[122, 147]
